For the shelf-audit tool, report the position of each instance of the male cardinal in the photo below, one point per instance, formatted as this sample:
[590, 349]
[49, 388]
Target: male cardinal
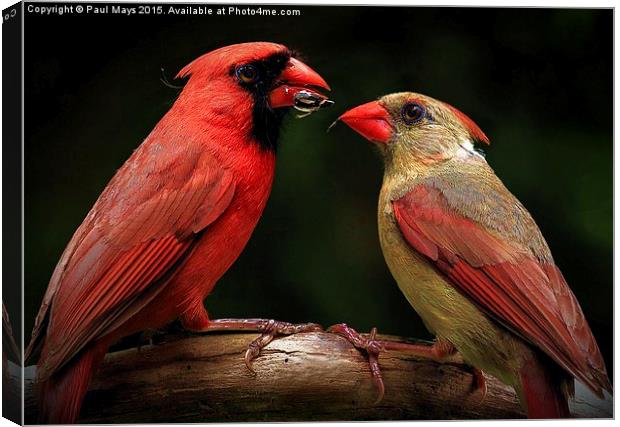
[471, 260]
[172, 220]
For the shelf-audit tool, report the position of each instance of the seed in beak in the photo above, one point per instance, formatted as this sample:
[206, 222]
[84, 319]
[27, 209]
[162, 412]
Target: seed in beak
[309, 101]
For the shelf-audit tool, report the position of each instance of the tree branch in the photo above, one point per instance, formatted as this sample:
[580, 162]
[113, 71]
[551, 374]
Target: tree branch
[305, 377]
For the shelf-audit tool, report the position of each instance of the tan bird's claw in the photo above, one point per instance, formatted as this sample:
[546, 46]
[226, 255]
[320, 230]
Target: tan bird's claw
[370, 345]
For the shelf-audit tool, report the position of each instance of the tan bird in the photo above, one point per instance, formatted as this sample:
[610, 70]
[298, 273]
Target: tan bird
[471, 260]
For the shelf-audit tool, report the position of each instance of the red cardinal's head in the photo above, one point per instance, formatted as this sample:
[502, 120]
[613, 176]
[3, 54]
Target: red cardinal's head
[249, 86]
[409, 123]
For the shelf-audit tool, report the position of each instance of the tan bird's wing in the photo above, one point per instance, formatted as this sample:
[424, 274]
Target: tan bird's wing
[489, 247]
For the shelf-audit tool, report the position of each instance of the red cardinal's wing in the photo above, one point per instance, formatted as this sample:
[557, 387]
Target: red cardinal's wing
[141, 227]
[483, 240]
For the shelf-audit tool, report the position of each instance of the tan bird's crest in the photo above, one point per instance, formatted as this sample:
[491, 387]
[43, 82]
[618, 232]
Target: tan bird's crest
[474, 130]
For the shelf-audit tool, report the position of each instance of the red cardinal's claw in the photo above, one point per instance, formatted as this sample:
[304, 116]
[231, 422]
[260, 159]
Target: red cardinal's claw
[270, 330]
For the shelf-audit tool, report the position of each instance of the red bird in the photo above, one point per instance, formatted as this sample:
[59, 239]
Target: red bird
[470, 258]
[173, 219]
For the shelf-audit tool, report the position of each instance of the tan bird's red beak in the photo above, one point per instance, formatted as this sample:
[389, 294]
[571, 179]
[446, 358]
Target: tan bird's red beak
[371, 120]
[295, 78]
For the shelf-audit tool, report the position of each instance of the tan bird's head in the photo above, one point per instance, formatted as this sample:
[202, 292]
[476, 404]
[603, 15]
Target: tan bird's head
[414, 127]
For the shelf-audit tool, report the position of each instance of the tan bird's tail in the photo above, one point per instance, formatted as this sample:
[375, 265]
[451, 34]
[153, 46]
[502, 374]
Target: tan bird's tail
[545, 388]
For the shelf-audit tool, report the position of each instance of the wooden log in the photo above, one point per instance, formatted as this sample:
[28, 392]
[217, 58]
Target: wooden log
[305, 377]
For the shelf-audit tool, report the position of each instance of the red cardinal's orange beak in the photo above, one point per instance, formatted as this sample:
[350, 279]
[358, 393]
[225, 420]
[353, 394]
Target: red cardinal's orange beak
[370, 120]
[295, 88]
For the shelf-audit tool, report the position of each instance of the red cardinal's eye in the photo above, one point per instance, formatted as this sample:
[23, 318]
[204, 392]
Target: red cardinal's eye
[412, 113]
[247, 74]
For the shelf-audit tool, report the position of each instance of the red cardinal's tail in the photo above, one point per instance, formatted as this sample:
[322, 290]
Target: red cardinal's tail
[61, 395]
[545, 387]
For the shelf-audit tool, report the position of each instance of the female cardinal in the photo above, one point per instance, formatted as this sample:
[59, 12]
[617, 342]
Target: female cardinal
[471, 260]
[173, 219]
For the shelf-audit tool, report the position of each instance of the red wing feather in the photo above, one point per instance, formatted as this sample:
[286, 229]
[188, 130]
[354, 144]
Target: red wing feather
[522, 289]
[125, 250]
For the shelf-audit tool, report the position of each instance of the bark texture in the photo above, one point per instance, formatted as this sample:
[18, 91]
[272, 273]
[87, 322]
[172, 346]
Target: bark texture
[306, 377]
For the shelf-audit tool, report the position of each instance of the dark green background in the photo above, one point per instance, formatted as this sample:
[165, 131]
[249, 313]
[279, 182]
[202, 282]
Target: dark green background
[538, 82]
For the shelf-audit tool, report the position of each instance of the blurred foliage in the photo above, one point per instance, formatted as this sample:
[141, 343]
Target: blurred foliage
[538, 81]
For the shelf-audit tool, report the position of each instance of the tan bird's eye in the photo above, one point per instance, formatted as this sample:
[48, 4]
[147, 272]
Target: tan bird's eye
[247, 74]
[412, 113]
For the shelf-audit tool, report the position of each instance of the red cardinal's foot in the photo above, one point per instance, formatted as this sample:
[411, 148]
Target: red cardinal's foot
[146, 337]
[370, 345]
[271, 329]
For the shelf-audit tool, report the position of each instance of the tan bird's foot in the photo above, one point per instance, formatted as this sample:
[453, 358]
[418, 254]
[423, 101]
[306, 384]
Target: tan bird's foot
[479, 385]
[269, 328]
[439, 350]
[370, 345]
